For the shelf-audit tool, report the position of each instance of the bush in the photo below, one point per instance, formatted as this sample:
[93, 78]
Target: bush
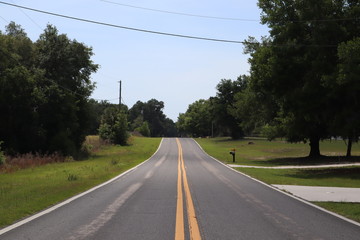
[114, 126]
[29, 160]
[144, 129]
[270, 132]
[120, 130]
[72, 177]
[2, 156]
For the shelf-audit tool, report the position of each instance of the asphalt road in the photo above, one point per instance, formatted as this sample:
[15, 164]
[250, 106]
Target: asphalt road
[182, 193]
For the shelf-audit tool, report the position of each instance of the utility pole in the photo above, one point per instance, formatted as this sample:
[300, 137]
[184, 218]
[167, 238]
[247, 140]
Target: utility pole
[120, 95]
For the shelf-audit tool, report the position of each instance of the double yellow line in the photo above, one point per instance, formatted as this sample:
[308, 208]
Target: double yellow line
[191, 216]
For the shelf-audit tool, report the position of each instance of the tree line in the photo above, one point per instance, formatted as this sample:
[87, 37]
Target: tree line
[114, 122]
[304, 81]
[45, 103]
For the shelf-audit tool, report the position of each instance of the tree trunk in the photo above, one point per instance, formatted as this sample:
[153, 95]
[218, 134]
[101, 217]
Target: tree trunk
[349, 146]
[314, 147]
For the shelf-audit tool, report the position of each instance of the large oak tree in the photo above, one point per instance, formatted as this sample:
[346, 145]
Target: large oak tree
[294, 62]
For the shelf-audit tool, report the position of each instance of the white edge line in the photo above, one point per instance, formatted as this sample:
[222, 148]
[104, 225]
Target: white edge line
[285, 193]
[46, 211]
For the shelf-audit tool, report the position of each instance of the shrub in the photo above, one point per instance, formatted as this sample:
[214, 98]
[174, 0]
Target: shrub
[144, 129]
[121, 134]
[22, 161]
[114, 126]
[2, 156]
[72, 177]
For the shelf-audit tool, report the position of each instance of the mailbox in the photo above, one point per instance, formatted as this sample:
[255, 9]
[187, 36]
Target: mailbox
[232, 152]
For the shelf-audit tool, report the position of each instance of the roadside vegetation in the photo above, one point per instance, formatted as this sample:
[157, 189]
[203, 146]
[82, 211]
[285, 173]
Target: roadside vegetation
[46, 114]
[45, 104]
[349, 210]
[303, 87]
[303, 82]
[260, 152]
[27, 190]
[325, 177]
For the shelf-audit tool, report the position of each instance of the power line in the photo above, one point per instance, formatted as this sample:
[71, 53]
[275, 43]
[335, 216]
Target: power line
[4, 19]
[32, 20]
[123, 27]
[155, 32]
[122, 100]
[180, 13]
[222, 18]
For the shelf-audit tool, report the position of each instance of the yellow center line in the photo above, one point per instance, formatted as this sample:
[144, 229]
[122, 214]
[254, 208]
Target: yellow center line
[193, 224]
[179, 229]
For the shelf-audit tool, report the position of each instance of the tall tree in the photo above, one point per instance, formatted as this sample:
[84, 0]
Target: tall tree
[152, 113]
[255, 111]
[44, 90]
[345, 93]
[222, 104]
[67, 68]
[197, 120]
[303, 40]
[19, 95]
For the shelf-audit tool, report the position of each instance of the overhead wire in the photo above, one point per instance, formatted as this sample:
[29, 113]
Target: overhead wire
[153, 32]
[147, 31]
[122, 101]
[181, 13]
[123, 27]
[4, 19]
[32, 20]
[221, 18]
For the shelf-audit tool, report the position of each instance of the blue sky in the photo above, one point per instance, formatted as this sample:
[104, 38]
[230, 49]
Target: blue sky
[177, 71]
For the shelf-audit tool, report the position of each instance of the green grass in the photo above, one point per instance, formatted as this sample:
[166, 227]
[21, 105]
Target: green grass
[327, 177]
[275, 153]
[349, 210]
[28, 191]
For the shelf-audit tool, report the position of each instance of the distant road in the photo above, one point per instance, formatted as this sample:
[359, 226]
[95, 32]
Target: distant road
[182, 193]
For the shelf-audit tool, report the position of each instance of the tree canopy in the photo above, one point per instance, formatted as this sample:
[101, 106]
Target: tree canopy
[44, 91]
[301, 54]
[304, 77]
[151, 113]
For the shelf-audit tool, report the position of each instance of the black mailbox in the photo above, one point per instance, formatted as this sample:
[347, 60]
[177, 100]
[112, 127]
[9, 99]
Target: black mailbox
[232, 152]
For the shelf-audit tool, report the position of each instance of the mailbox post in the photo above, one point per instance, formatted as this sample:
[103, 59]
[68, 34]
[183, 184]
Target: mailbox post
[232, 152]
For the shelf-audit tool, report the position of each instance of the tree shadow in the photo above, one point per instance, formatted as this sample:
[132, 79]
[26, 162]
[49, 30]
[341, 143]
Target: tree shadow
[245, 140]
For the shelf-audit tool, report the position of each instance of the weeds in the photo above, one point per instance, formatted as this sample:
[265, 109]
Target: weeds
[72, 177]
[29, 160]
[91, 145]
[113, 162]
[94, 143]
[2, 156]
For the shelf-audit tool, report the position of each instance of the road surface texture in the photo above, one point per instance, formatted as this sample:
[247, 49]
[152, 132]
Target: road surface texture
[182, 193]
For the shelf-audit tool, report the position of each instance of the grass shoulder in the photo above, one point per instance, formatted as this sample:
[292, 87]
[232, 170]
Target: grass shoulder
[349, 210]
[326, 177]
[27, 191]
[261, 152]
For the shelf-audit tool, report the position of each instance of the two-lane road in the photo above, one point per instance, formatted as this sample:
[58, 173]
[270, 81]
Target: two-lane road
[182, 193]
